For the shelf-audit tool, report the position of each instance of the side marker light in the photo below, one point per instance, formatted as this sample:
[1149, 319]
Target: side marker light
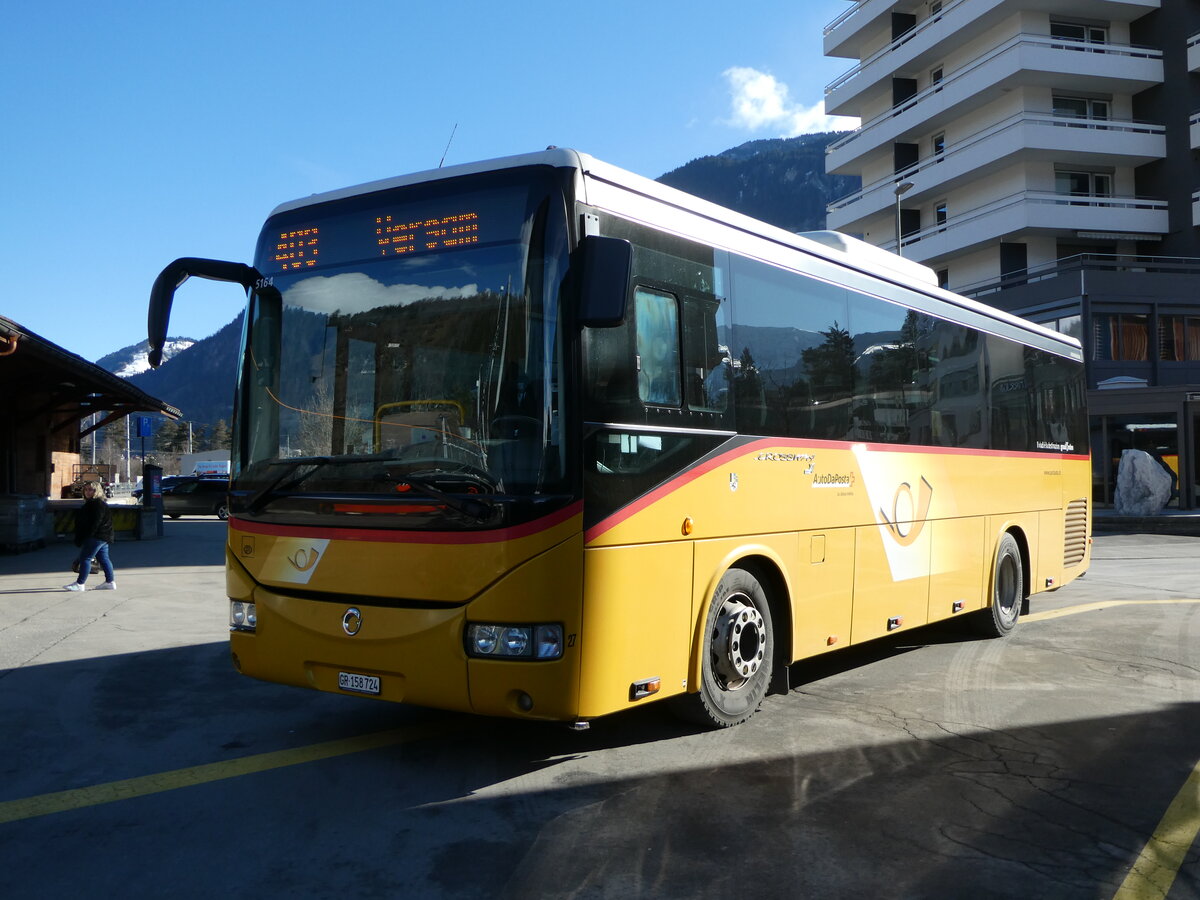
[644, 688]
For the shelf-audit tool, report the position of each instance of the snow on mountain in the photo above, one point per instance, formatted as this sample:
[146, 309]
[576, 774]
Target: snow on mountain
[134, 359]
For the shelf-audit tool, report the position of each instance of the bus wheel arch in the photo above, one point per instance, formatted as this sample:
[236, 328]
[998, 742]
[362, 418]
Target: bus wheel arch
[738, 646]
[1008, 585]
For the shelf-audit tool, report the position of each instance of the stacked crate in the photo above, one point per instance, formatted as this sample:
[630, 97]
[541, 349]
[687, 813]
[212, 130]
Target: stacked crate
[22, 522]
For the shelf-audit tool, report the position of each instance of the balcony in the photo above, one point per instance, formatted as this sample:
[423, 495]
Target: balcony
[1196, 207]
[1024, 59]
[1193, 48]
[845, 34]
[959, 22]
[1117, 273]
[1129, 218]
[1023, 137]
[848, 32]
[1194, 129]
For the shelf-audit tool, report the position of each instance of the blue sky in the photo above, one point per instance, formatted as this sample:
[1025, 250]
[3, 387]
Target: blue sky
[138, 132]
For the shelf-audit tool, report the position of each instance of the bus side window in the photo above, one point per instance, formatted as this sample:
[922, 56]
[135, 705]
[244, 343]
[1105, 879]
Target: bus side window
[708, 368]
[657, 347]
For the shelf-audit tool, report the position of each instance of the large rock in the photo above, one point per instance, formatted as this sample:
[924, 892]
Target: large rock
[1143, 484]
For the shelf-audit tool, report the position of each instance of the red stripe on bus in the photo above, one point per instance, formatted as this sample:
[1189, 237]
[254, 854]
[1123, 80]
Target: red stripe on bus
[414, 537]
[704, 468]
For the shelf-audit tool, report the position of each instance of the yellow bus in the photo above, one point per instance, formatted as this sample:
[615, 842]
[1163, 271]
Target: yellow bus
[540, 438]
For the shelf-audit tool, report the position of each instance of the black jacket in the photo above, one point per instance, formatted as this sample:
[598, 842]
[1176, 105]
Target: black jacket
[93, 520]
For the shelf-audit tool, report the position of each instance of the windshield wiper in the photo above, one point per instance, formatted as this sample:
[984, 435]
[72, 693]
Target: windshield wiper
[260, 497]
[478, 510]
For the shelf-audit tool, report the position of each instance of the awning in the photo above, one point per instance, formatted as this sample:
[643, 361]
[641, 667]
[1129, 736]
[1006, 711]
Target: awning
[38, 377]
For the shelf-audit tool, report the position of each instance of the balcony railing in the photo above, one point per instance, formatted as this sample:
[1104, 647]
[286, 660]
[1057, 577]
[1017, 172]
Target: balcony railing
[1122, 50]
[916, 31]
[846, 14]
[1048, 198]
[958, 148]
[1106, 262]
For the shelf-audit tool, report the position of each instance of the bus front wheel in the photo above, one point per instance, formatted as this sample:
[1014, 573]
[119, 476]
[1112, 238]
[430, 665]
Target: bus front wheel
[1008, 591]
[738, 652]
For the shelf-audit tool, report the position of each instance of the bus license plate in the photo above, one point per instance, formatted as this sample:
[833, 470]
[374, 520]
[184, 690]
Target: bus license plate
[362, 684]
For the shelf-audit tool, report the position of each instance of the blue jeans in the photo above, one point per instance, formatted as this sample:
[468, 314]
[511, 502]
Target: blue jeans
[97, 550]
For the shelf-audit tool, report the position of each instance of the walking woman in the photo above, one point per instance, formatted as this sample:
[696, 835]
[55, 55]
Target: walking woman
[93, 533]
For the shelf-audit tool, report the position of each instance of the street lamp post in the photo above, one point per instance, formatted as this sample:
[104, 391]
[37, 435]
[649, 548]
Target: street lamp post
[902, 188]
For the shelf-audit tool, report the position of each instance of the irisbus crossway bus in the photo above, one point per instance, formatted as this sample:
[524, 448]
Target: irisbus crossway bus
[537, 437]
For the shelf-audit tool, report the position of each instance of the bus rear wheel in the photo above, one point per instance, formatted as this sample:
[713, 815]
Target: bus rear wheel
[1008, 591]
[738, 653]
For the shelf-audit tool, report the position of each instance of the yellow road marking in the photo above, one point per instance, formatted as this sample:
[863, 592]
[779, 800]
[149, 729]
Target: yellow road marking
[1155, 869]
[61, 801]
[1099, 605]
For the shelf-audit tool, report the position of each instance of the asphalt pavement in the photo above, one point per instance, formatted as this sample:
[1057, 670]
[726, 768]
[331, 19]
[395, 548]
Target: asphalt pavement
[1061, 762]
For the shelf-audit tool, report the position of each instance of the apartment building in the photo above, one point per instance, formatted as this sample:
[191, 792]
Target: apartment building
[1044, 157]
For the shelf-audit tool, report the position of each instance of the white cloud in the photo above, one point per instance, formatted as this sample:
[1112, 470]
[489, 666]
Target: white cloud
[353, 292]
[759, 101]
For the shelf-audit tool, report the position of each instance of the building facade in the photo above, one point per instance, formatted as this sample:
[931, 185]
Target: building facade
[1044, 157]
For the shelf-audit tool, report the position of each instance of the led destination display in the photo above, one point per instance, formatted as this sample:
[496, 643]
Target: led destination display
[389, 226]
[350, 238]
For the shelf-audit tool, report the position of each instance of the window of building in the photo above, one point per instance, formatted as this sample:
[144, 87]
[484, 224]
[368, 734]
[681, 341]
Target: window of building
[1075, 31]
[1070, 325]
[1179, 338]
[939, 212]
[935, 75]
[1081, 107]
[1121, 336]
[935, 7]
[939, 144]
[943, 278]
[1083, 184]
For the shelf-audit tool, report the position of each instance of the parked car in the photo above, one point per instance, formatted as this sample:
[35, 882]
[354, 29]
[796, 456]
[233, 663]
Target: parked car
[166, 482]
[189, 496]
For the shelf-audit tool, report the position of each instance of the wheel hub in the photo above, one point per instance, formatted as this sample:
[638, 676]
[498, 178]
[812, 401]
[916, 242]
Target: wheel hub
[739, 645]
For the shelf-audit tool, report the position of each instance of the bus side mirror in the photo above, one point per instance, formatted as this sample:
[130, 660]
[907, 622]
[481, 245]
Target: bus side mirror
[172, 277]
[606, 264]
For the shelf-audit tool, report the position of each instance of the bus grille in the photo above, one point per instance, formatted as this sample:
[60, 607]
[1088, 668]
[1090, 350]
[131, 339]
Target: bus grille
[1075, 541]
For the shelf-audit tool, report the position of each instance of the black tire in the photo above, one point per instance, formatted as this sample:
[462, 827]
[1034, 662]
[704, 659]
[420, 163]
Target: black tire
[1008, 591]
[223, 511]
[738, 654]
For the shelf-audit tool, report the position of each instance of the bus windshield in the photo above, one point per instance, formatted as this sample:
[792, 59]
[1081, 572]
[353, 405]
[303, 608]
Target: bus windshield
[404, 359]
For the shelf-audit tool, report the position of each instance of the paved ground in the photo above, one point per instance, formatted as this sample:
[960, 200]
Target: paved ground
[134, 761]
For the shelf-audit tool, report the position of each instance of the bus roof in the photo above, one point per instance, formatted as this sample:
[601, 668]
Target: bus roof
[831, 246]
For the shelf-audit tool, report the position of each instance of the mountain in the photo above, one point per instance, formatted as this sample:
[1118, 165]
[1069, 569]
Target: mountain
[781, 181]
[199, 380]
[134, 359]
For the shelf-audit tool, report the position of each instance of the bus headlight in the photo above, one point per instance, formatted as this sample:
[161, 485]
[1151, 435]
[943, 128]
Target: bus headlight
[242, 616]
[494, 641]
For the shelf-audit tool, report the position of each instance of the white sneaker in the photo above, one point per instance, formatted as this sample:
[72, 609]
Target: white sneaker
[107, 586]
[74, 586]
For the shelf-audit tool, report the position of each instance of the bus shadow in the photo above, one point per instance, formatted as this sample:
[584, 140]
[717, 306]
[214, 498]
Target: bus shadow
[802, 795]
